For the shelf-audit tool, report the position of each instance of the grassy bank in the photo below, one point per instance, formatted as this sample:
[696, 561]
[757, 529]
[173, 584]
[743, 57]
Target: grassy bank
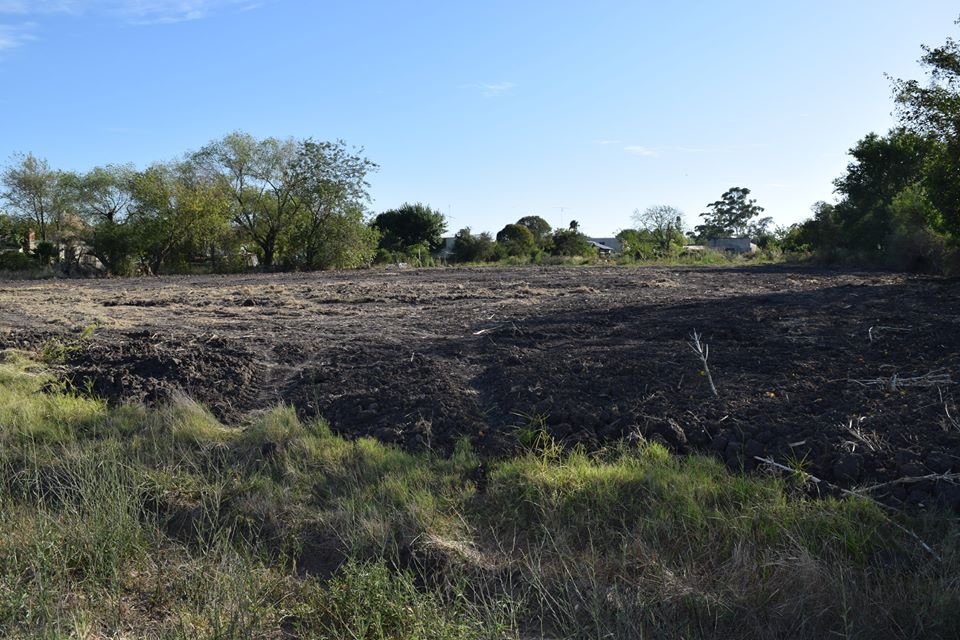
[163, 523]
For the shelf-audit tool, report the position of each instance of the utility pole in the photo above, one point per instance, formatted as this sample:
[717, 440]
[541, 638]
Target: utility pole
[562, 209]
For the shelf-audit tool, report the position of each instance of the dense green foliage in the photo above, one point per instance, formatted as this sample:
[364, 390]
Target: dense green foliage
[470, 247]
[36, 193]
[517, 240]
[899, 200]
[411, 225]
[734, 214]
[570, 242]
[539, 227]
[659, 228]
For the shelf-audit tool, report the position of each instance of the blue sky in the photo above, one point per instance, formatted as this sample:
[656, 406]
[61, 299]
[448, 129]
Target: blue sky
[488, 111]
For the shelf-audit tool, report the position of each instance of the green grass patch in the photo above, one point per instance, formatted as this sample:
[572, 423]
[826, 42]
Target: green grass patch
[164, 523]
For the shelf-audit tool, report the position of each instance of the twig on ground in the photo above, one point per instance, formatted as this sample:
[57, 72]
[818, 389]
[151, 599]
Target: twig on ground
[895, 382]
[873, 441]
[946, 410]
[703, 352]
[952, 478]
[875, 331]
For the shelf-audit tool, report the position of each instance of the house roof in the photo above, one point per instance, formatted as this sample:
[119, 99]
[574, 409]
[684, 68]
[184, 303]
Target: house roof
[612, 243]
[600, 245]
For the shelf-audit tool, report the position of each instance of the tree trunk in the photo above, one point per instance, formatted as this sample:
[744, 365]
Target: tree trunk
[268, 250]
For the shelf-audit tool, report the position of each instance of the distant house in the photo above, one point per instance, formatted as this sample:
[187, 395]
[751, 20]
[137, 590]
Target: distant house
[732, 245]
[611, 244]
[603, 249]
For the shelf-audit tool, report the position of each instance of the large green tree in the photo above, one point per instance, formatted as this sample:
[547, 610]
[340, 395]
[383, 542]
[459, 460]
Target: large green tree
[539, 227]
[516, 240]
[409, 226]
[264, 186]
[880, 169]
[330, 230]
[102, 198]
[178, 212]
[103, 193]
[468, 247]
[932, 110]
[664, 224]
[570, 242]
[731, 215]
[37, 193]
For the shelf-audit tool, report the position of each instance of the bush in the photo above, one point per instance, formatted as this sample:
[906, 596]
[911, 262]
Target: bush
[473, 248]
[921, 251]
[14, 261]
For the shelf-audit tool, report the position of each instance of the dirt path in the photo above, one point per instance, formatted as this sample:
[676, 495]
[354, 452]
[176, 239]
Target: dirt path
[423, 357]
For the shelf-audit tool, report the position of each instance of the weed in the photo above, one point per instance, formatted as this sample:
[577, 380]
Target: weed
[56, 351]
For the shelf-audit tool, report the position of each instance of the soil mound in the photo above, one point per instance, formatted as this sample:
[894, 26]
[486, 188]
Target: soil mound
[144, 367]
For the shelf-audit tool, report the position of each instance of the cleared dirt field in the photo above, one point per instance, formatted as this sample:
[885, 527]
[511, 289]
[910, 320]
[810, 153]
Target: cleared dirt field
[803, 359]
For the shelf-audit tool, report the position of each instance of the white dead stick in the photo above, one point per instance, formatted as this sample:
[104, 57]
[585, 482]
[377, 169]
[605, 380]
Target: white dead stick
[703, 352]
[872, 442]
[946, 410]
[952, 478]
[896, 382]
[874, 332]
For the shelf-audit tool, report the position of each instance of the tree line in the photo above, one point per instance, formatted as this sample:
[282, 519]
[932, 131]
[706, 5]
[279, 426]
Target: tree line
[238, 202]
[415, 232]
[660, 231]
[291, 203]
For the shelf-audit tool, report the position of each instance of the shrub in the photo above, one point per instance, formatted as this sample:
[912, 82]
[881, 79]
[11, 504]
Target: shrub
[15, 261]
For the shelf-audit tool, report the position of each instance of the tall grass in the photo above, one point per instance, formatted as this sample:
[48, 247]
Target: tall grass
[164, 523]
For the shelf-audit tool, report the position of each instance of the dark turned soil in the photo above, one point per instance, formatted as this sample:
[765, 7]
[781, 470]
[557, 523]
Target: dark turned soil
[802, 359]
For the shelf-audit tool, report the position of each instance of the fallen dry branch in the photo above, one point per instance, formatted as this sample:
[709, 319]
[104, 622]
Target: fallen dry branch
[874, 333]
[812, 478]
[896, 382]
[952, 478]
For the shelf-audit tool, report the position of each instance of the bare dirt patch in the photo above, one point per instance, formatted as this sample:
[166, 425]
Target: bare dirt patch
[803, 359]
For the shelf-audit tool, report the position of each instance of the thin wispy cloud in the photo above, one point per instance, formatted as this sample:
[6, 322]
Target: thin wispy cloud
[492, 90]
[138, 12]
[167, 11]
[40, 7]
[132, 12]
[637, 150]
[12, 36]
